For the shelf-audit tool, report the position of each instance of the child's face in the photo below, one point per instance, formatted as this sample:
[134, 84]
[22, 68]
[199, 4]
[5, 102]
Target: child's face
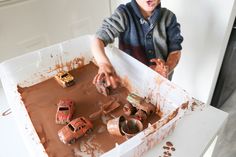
[148, 5]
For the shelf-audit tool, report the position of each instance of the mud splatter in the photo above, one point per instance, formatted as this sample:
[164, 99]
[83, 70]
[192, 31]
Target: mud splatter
[168, 149]
[126, 83]
[169, 144]
[184, 106]
[70, 65]
[197, 105]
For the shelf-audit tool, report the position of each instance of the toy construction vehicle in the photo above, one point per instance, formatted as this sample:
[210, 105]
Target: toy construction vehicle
[65, 79]
[138, 106]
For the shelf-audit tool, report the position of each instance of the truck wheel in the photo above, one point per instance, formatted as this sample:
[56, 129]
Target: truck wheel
[89, 131]
[129, 109]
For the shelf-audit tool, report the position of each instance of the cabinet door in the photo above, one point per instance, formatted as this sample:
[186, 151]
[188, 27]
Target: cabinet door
[226, 83]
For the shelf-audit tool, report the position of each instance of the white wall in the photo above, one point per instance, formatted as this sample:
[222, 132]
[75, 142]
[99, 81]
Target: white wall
[34, 24]
[206, 27]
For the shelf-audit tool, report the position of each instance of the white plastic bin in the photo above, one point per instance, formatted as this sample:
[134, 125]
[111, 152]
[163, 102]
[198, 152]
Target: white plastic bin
[39, 65]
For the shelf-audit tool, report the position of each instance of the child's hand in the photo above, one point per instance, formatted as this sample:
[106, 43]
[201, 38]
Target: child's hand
[107, 72]
[160, 67]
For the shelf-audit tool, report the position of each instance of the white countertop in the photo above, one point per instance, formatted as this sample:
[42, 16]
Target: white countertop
[193, 134]
[191, 138]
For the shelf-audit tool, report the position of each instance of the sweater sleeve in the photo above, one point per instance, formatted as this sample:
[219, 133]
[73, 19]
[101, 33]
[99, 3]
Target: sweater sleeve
[174, 38]
[113, 26]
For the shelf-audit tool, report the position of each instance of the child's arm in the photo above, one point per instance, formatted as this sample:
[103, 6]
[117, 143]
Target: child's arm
[99, 52]
[110, 29]
[105, 67]
[165, 68]
[173, 60]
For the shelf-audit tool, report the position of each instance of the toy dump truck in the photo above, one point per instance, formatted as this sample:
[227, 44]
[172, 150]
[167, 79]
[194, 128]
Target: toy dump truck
[138, 106]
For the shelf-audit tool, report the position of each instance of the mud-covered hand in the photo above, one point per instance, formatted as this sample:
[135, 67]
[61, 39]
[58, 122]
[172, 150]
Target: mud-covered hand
[106, 72]
[160, 66]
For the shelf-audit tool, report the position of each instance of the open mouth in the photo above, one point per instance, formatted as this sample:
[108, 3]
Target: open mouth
[150, 3]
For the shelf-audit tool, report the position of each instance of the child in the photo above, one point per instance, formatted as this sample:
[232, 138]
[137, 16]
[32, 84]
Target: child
[146, 31]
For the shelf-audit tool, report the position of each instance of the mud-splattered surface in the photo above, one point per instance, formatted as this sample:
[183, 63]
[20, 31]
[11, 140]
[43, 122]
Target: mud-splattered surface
[168, 149]
[40, 101]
